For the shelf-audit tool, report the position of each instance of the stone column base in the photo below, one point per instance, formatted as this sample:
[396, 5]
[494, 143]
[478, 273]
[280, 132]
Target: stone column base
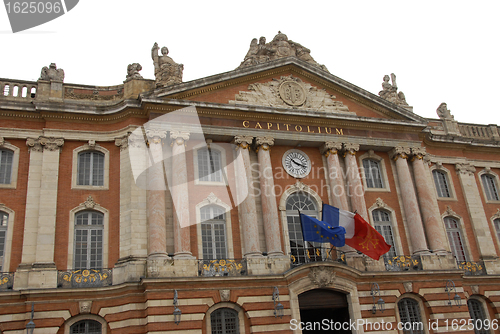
[438, 261]
[492, 266]
[167, 267]
[129, 269]
[36, 276]
[268, 265]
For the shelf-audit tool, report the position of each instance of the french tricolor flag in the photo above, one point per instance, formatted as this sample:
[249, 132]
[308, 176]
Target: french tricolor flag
[360, 235]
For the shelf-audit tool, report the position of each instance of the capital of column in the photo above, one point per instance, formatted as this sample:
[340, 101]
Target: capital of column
[399, 152]
[49, 144]
[2, 141]
[263, 142]
[465, 168]
[330, 147]
[418, 153]
[351, 148]
[243, 142]
[155, 136]
[122, 142]
[34, 145]
[179, 137]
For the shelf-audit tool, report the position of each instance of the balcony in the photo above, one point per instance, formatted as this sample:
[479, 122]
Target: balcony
[85, 278]
[403, 263]
[222, 267]
[6, 281]
[472, 268]
[301, 255]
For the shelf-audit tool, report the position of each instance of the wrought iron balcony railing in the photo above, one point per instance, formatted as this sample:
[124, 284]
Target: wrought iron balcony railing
[301, 255]
[222, 267]
[472, 268]
[403, 263]
[6, 281]
[85, 278]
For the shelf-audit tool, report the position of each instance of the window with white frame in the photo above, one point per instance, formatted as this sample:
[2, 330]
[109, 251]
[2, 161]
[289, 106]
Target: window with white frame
[409, 315]
[372, 173]
[86, 327]
[224, 321]
[89, 230]
[209, 165]
[477, 315]
[90, 168]
[4, 220]
[6, 162]
[455, 238]
[442, 184]
[383, 225]
[213, 232]
[299, 201]
[490, 187]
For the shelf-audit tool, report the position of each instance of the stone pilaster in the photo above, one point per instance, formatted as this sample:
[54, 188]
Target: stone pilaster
[268, 197]
[484, 239]
[180, 196]
[156, 183]
[247, 209]
[337, 187]
[133, 218]
[409, 198]
[429, 208]
[356, 191]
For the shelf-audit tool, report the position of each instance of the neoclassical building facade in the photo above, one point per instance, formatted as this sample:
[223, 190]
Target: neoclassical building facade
[169, 206]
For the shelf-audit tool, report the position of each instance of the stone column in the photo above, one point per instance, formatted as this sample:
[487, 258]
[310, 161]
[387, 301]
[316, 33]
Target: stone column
[434, 227]
[156, 185]
[268, 197]
[133, 215]
[484, 239]
[355, 187]
[180, 196]
[409, 198]
[247, 208]
[337, 188]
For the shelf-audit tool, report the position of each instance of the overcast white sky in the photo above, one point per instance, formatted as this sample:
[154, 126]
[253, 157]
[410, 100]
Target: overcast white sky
[440, 51]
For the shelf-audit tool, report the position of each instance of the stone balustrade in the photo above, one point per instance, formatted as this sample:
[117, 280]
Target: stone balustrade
[478, 131]
[18, 90]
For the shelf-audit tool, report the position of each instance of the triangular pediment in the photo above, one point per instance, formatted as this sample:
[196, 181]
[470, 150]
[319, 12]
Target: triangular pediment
[287, 84]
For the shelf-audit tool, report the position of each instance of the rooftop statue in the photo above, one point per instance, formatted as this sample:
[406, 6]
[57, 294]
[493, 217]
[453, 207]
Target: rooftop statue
[279, 47]
[443, 112]
[390, 91]
[167, 71]
[133, 71]
[52, 73]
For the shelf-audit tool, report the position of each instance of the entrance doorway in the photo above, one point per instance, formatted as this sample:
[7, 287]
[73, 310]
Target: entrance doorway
[324, 311]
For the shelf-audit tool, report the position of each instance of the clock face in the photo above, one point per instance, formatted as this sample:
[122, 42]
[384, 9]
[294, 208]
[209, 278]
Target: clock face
[296, 163]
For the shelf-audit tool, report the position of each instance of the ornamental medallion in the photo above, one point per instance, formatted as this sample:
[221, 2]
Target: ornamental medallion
[292, 93]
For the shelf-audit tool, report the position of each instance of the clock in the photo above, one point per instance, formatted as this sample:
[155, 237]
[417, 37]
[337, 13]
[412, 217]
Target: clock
[296, 163]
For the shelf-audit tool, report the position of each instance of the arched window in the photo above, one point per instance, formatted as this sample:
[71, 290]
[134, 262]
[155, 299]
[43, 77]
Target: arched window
[213, 232]
[490, 187]
[86, 327]
[209, 165]
[305, 204]
[382, 222]
[455, 238]
[477, 315]
[4, 220]
[224, 321]
[409, 315]
[441, 182]
[6, 161]
[90, 168]
[88, 240]
[372, 174]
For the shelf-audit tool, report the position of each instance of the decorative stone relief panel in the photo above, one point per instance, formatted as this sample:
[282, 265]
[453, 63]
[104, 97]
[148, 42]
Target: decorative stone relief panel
[290, 92]
[322, 276]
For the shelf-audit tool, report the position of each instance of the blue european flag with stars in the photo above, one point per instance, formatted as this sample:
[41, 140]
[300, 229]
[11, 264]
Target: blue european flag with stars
[318, 231]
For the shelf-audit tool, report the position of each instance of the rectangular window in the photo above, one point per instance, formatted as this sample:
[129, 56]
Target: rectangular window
[209, 165]
[6, 160]
[372, 174]
[490, 187]
[441, 183]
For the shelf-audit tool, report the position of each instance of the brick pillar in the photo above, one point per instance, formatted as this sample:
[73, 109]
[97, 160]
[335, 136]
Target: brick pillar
[434, 227]
[155, 202]
[356, 191]
[247, 209]
[409, 198]
[268, 197]
[180, 196]
[484, 239]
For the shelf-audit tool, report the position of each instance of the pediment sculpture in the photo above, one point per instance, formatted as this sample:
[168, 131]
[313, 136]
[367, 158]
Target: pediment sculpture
[133, 71]
[290, 92]
[52, 73]
[390, 92]
[279, 47]
[167, 71]
[443, 112]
